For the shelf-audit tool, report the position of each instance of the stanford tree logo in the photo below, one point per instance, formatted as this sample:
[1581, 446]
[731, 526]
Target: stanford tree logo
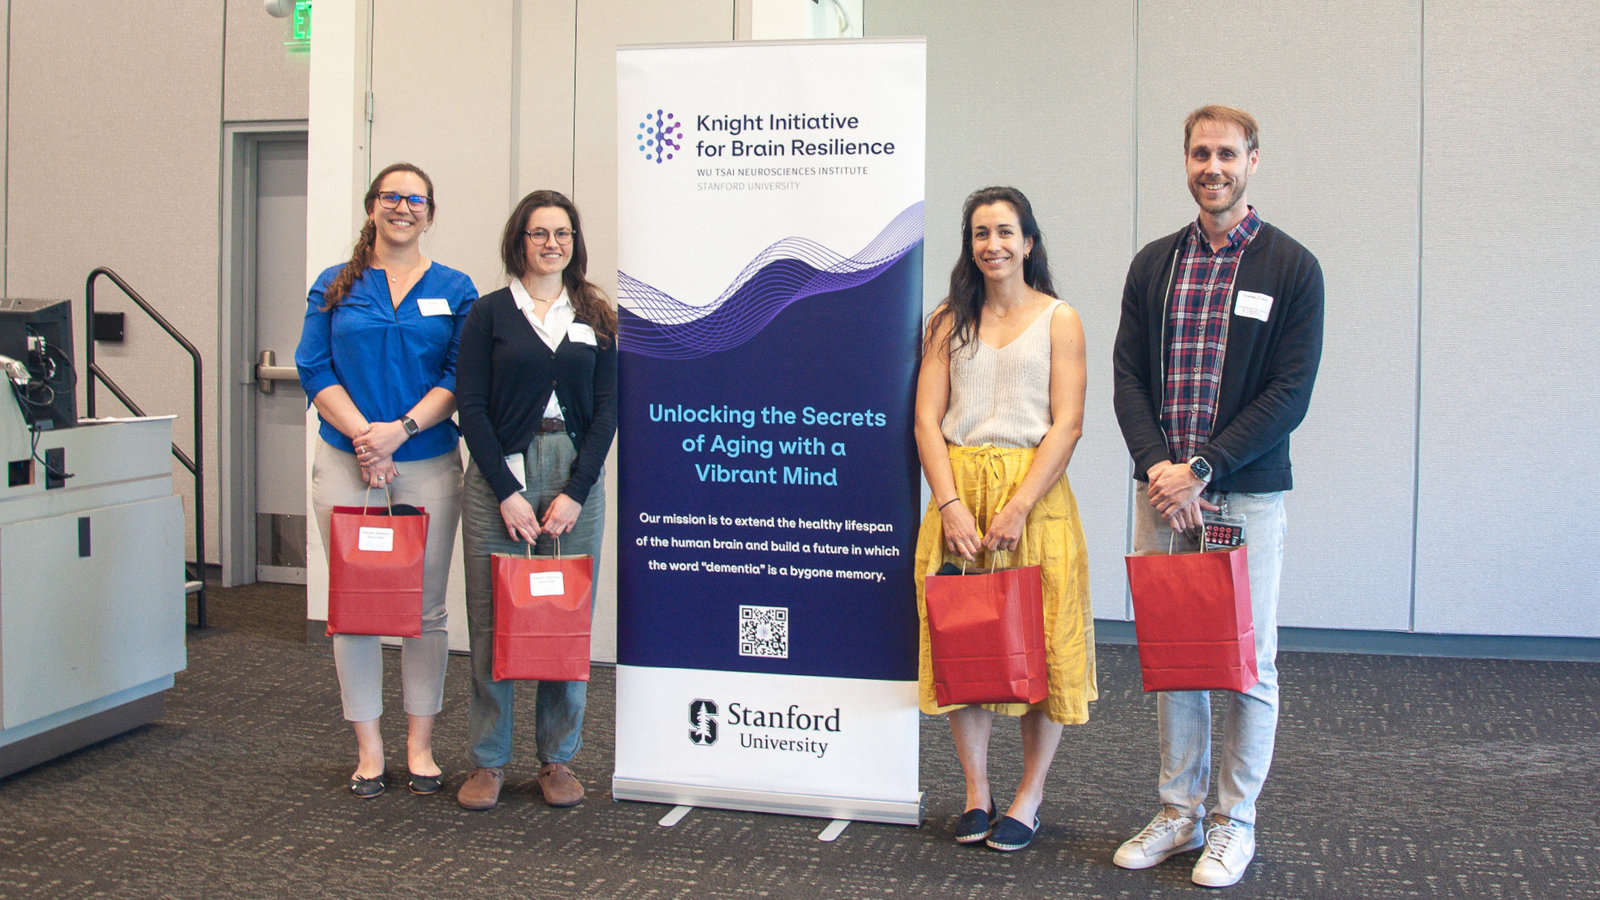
[658, 136]
[703, 722]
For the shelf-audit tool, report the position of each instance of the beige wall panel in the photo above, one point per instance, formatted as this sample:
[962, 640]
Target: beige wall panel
[1336, 89]
[113, 161]
[1511, 252]
[263, 80]
[1062, 133]
[542, 108]
[602, 26]
[448, 110]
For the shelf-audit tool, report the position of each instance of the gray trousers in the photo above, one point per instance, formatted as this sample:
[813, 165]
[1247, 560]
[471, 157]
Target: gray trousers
[435, 485]
[559, 705]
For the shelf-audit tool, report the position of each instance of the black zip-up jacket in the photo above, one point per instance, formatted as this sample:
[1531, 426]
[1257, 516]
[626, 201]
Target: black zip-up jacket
[504, 375]
[1267, 371]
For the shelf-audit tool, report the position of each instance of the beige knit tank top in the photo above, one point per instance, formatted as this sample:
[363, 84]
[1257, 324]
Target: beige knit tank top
[1001, 397]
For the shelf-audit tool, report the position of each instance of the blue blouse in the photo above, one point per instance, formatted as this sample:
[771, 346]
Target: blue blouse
[387, 358]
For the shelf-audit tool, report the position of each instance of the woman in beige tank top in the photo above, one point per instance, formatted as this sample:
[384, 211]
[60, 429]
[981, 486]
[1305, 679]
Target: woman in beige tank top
[999, 411]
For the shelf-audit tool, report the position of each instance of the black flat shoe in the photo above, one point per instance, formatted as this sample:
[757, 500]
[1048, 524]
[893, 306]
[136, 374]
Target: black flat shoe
[367, 788]
[424, 785]
[975, 825]
[1011, 835]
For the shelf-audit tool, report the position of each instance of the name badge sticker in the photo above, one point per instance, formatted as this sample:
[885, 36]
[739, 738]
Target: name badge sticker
[1253, 305]
[433, 306]
[376, 540]
[546, 584]
[581, 333]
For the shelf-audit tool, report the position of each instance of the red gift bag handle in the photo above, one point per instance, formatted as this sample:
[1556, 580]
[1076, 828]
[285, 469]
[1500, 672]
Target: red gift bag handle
[388, 498]
[527, 548]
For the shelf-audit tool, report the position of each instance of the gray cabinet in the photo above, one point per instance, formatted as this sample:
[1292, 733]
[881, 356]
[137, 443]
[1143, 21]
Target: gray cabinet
[92, 610]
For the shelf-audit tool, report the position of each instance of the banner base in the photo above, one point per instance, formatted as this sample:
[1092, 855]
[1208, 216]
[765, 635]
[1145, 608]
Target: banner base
[891, 812]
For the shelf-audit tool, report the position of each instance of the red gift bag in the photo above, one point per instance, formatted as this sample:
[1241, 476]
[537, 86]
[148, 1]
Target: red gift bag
[375, 557]
[986, 634]
[541, 617]
[1191, 612]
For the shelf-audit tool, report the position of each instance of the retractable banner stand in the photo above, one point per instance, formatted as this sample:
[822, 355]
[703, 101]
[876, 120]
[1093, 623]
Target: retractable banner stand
[769, 284]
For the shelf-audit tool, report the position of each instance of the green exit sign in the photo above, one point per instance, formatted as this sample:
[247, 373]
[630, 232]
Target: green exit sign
[300, 26]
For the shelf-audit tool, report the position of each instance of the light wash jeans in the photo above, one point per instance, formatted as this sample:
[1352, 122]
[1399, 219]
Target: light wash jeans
[1251, 726]
[558, 713]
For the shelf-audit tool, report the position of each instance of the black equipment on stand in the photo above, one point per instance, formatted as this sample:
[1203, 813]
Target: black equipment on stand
[36, 355]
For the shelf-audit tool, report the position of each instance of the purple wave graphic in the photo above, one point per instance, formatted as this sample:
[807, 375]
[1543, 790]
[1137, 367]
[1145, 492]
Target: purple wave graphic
[787, 271]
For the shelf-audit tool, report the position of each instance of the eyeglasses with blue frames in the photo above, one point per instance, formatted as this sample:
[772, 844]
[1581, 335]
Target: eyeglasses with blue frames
[563, 236]
[391, 200]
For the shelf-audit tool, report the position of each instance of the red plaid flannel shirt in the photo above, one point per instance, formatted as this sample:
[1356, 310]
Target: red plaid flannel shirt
[1197, 333]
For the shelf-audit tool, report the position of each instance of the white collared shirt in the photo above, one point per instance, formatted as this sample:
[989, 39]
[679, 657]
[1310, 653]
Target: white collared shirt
[553, 330]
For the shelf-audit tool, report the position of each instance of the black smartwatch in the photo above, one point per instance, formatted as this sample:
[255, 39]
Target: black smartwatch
[410, 425]
[1200, 468]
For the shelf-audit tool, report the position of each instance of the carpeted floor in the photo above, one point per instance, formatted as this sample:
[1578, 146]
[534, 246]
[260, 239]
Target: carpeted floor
[1395, 777]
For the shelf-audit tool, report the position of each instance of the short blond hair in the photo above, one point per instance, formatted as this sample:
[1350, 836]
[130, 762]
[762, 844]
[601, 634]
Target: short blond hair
[1233, 115]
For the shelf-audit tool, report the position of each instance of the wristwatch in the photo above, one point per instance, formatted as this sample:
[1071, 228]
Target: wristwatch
[1200, 468]
[410, 425]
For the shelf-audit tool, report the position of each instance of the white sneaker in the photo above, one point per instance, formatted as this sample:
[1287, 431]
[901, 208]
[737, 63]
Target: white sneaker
[1167, 833]
[1229, 849]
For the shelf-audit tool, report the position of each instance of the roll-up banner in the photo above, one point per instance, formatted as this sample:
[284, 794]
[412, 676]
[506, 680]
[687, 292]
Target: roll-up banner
[769, 259]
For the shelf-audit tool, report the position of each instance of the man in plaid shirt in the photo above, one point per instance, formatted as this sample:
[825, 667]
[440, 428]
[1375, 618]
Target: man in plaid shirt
[1215, 359]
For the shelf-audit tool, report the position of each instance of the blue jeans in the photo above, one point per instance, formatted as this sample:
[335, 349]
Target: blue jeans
[558, 713]
[1251, 726]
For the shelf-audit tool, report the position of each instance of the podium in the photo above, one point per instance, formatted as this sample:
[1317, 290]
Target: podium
[92, 607]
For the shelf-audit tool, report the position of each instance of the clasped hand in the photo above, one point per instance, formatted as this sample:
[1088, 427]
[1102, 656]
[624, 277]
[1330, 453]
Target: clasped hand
[523, 523]
[961, 534]
[375, 446]
[1175, 493]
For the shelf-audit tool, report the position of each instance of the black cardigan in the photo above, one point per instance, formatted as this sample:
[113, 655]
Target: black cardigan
[1267, 372]
[504, 375]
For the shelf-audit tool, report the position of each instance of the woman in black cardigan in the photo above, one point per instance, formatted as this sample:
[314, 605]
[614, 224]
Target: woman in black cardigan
[536, 387]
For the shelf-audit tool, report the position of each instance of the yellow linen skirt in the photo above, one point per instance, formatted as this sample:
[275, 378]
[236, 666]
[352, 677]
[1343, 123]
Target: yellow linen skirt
[1052, 539]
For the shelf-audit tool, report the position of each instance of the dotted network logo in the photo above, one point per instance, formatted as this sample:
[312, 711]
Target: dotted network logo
[658, 136]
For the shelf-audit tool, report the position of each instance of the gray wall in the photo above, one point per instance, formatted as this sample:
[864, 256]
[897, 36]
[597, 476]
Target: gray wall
[1510, 267]
[1439, 165]
[113, 152]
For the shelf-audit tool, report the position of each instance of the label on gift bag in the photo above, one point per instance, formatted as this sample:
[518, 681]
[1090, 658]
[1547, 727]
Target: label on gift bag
[377, 540]
[546, 584]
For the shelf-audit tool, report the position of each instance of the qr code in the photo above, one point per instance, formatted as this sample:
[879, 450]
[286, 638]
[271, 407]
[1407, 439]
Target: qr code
[764, 631]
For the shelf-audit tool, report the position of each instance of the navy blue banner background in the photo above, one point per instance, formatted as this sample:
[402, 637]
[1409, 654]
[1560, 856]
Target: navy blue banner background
[847, 351]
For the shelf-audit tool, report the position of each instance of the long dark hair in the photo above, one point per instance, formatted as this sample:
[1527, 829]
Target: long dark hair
[964, 304]
[361, 257]
[588, 301]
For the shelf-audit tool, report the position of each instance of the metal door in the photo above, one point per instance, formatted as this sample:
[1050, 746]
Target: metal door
[276, 280]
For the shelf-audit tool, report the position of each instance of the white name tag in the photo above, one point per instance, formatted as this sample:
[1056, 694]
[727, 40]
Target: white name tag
[1254, 305]
[546, 584]
[377, 540]
[581, 334]
[515, 464]
[433, 306]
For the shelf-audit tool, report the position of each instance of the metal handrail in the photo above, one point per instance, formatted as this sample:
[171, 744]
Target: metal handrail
[194, 465]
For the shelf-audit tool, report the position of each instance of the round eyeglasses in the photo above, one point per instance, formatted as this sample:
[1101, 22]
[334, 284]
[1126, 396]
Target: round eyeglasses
[391, 200]
[563, 236]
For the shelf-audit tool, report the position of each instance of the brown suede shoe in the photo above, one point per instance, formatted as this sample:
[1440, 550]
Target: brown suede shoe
[482, 789]
[560, 786]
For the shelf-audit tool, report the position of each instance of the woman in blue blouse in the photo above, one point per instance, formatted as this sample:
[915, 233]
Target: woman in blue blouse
[538, 409]
[377, 357]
